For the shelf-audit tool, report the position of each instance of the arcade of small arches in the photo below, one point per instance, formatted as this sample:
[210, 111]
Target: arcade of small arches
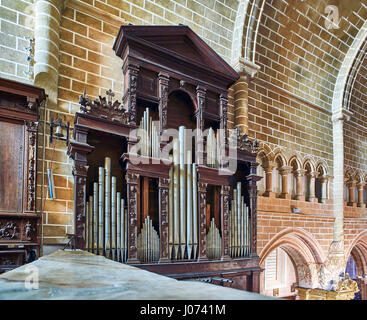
[293, 178]
[355, 192]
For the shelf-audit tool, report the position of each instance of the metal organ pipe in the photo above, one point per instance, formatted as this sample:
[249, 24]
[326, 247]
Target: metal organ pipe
[183, 212]
[240, 226]
[106, 228]
[107, 168]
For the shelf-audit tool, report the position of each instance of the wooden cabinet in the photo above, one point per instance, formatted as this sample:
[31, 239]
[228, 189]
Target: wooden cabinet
[19, 219]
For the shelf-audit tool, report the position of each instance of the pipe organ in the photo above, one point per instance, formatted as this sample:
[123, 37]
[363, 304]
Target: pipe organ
[106, 217]
[175, 216]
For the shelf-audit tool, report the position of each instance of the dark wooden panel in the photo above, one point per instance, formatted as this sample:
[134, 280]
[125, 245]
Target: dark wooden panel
[11, 166]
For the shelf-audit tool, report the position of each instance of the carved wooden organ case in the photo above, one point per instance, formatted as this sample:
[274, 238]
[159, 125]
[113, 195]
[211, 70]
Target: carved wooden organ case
[19, 220]
[171, 212]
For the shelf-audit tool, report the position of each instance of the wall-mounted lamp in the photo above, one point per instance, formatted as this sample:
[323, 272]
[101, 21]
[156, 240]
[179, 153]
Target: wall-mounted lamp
[296, 210]
[57, 129]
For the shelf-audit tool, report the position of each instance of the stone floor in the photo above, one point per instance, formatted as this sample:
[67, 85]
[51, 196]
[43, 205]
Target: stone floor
[82, 275]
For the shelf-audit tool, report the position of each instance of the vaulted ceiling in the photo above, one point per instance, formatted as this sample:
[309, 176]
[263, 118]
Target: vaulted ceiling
[295, 48]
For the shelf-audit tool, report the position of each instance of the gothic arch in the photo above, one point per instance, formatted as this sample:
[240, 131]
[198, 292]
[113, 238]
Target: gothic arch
[358, 250]
[304, 251]
[323, 167]
[295, 159]
[281, 158]
[309, 162]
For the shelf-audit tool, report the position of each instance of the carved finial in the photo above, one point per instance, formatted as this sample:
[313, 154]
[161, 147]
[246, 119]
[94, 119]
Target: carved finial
[110, 95]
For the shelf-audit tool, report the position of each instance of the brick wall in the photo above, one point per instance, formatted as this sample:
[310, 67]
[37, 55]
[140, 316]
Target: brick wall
[16, 22]
[355, 133]
[274, 215]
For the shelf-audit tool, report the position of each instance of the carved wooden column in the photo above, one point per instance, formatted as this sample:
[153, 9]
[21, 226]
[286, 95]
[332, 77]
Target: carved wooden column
[225, 190]
[78, 150]
[163, 80]
[284, 171]
[132, 77]
[252, 179]
[312, 177]
[32, 129]
[223, 105]
[299, 174]
[200, 95]
[132, 182]
[202, 220]
[269, 181]
[351, 187]
[163, 219]
[360, 187]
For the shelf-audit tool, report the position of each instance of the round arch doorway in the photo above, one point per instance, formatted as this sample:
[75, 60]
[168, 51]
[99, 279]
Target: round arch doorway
[279, 275]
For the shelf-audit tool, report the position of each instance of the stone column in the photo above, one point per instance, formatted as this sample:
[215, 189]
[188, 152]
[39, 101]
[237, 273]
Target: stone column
[360, 187]
[132, 185]
[247, 70]
[269, 181]
[299, 174]
[311, 195]
[163, 219]
[46, 54]
[335, 262]
[351, 187]
[324, 181]
[284, 171]
[240, 94]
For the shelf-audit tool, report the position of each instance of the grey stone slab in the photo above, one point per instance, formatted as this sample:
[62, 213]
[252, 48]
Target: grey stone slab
[82, 275]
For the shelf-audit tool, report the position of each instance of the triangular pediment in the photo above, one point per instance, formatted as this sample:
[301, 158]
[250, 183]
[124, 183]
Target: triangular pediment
[179, 41]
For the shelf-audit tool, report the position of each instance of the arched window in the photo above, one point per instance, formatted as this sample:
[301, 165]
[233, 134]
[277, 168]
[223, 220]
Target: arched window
[280, 274]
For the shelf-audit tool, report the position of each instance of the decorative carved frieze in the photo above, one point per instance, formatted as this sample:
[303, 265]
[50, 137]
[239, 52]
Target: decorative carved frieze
[8, 230]
[244, 143]
[104, 107]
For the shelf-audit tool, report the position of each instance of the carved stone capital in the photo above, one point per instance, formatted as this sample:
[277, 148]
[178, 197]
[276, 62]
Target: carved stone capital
[246, 67]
